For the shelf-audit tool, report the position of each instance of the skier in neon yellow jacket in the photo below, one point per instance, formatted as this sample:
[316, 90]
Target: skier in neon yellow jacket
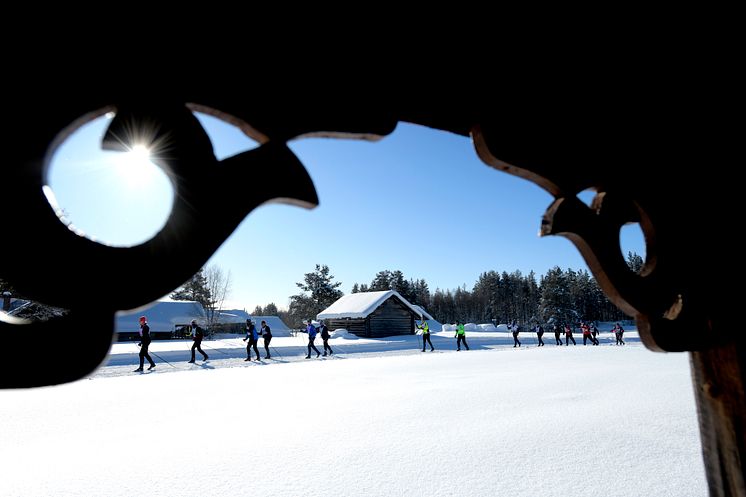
[460, 336]
[425, 335]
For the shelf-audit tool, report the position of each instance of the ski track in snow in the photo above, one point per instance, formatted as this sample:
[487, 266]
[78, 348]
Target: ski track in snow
[172, 355]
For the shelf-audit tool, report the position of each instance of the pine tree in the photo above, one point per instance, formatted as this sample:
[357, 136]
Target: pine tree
[355, 288]
[381, 281]
[258, 311]
[421, 293]
[270, 310]
[556, 302]
[195, 289]
[635, 262]
[323, 293]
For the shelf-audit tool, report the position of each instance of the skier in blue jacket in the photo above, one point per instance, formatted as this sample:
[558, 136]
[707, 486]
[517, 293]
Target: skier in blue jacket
[311, 330]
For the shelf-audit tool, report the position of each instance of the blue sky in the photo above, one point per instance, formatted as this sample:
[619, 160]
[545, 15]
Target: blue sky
[419, 200]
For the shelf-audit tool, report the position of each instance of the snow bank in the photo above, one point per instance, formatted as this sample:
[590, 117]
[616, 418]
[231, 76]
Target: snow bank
[343, 333]
[467, 327]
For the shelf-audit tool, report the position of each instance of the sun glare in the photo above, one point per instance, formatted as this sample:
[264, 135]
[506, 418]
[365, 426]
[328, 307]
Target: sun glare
[135, 168]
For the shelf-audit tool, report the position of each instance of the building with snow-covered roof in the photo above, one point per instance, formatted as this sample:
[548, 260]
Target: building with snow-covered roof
[277, 325]
[232, 316]
[165, 317]
[373, 314]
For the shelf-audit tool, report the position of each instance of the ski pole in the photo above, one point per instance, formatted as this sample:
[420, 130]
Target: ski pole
[274, 349]
[162, 359]
[217, 350]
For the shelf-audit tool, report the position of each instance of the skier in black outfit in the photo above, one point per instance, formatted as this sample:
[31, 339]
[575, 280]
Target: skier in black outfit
[144, 344]
[252, 336]
[539, 334]
[197, 335]
[324, 331]
[557, 331]
[515, 328]
[266, 333]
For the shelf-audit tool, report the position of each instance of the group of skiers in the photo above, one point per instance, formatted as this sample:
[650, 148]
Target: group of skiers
[252, 337]
[198, 333]
[590, 331]
[312, 332]
[460, 336]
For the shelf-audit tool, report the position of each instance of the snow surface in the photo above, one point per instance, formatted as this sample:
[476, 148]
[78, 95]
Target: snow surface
[495, 421]
[359, 305]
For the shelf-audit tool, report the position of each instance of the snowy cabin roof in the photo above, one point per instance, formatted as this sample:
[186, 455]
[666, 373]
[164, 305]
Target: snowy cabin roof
[233, 316]
[163, 315]
[360, 305]
[274, 322]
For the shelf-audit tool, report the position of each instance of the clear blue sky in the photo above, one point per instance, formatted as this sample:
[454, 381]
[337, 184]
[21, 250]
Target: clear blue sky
[419, 200]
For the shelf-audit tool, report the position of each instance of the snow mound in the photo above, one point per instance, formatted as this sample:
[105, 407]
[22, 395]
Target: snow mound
[467, 327]
[486, 327]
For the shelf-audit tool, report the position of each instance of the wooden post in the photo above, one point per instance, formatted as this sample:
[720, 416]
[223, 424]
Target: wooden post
[719, 376]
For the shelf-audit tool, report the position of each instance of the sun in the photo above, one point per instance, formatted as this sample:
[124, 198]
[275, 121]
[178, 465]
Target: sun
[134, 167]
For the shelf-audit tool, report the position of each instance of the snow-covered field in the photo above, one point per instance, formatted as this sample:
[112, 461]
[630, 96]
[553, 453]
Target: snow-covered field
[379, 418]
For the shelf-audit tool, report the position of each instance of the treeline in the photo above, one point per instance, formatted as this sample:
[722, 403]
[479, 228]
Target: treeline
[559, 295]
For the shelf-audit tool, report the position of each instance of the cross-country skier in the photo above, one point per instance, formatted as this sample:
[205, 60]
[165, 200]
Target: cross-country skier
[197, 335]
[568, 335]
[557, 331]
[618, 332]
[144, 344]
[253, 337]
[311, 330]
[324, 331]
[539, 334]
[587, 333]
[425, 335]
[515, 328]
[460, 336]
[266, 333]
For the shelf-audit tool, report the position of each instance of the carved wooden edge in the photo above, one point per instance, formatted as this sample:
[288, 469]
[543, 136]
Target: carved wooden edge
[662, 310]
[204, 215]
[718, 378]
[670, 315]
